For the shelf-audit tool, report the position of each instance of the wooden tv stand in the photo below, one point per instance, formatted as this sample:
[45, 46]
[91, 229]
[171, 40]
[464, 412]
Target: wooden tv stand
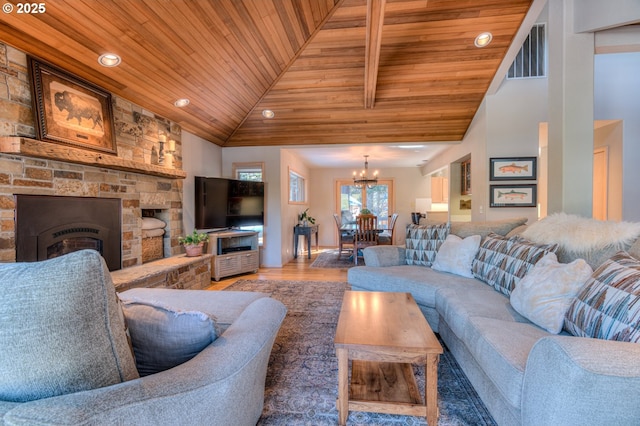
[234, 252]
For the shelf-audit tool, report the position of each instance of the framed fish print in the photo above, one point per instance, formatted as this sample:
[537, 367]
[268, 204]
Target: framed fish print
[513, 168]
[513, 195]
[71, 111]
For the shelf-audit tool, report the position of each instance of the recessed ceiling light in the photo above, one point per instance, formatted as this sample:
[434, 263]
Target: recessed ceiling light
[109, 60]
[483, 39]
[180, 103]
[267, 113]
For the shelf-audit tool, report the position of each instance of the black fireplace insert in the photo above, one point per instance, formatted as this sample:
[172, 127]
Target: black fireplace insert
[49, 226]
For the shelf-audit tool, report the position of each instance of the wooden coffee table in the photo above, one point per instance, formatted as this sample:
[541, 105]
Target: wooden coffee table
[383, 334]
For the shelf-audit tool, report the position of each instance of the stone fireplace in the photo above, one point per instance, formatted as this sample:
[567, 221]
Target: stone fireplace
[131, 178]
[51, 226]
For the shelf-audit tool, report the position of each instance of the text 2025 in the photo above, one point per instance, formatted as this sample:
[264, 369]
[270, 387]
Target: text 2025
[31, 8]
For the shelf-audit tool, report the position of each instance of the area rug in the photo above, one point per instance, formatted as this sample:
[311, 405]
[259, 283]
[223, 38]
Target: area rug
[302, 377]
[329, 259]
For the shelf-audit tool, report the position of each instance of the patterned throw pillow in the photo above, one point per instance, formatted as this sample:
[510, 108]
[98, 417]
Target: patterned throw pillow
[501, 262]
[608, 307]
[489, 258]
[522, 255]
[423, 242]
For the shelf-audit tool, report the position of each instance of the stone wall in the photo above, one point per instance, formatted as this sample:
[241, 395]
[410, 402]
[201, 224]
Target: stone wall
[137, 133]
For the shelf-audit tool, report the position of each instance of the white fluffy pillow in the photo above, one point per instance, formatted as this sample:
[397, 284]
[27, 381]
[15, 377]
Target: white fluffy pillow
[546, 292]
[456, 255]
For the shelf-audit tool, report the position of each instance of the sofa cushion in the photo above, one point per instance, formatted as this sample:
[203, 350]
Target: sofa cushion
[421, 282]
[499, 227]
[457, 304]
[422, 243]
[61, 328]
[608, 307]
[225, 306]
[456, 255]
[501, 349]
[163, 337]
[548, 289]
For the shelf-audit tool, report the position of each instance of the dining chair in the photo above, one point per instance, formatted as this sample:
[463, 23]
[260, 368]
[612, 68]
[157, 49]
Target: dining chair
[386, 236]
[366, 234]
[345, 237]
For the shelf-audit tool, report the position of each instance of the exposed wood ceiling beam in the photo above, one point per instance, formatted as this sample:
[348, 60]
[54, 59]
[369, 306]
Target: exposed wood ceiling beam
[375, 20]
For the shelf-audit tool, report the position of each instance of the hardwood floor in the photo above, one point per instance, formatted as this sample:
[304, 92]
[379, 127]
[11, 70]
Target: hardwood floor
[296, 270]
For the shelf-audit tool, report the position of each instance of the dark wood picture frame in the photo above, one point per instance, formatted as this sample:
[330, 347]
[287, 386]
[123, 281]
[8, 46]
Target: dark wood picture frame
[71, 111]
[524, 195]
[513, 168]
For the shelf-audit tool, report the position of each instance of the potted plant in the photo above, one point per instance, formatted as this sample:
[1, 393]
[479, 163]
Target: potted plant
[193, 243]
[304, 219]
[366, 212]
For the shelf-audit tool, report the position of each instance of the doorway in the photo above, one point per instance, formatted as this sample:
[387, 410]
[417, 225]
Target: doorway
[607, 170]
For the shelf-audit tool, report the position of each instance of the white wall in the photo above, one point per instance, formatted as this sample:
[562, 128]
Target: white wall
[617, 90]
[507, 123]
[408, 183]
[199, 158]
[290, 212]
[272, 236]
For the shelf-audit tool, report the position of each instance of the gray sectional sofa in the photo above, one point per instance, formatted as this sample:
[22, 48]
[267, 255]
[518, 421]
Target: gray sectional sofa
[64, 357]
[524, 374]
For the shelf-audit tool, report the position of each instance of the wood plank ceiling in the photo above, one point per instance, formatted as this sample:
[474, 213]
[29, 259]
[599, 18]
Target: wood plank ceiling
[315, 63]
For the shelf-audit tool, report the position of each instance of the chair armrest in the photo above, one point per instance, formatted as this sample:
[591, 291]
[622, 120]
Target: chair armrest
[384, 256]
[571, 380]
[208, 389]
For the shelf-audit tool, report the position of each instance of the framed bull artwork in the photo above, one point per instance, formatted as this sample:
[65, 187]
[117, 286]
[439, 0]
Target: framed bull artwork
[71, 111]
[512, 195]
[513, 168]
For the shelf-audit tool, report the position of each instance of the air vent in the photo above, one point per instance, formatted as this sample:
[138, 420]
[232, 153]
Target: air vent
[531, 60]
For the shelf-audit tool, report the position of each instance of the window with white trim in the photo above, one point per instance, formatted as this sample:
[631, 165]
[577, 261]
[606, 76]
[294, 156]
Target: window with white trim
[297, 188]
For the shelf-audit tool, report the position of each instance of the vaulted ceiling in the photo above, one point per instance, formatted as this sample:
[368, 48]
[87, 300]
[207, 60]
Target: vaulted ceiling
[332, 71]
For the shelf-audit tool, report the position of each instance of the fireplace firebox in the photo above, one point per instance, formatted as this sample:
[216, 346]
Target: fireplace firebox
[50, 226]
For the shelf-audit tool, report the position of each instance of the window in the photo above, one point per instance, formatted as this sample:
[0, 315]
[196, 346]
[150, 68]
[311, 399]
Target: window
[254, 172]
[351, 199]
[531, 59]
[297, 190]
[248, 171]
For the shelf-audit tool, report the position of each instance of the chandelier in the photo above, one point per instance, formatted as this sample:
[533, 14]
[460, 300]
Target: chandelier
[363, 178]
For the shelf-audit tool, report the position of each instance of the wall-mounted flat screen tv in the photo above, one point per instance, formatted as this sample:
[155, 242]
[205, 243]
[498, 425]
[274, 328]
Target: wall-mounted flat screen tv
[228, 203]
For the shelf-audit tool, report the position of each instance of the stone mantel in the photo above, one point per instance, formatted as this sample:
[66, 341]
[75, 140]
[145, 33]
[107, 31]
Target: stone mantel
[42, 149]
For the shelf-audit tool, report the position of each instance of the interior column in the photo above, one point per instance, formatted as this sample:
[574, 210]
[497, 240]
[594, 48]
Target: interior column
[571, 115]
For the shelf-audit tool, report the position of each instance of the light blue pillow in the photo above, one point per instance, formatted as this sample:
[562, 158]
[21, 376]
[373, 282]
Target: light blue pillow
[61, 328]
[163, 337]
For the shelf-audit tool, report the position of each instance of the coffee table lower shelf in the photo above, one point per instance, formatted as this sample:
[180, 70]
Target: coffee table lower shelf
[385, 387]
